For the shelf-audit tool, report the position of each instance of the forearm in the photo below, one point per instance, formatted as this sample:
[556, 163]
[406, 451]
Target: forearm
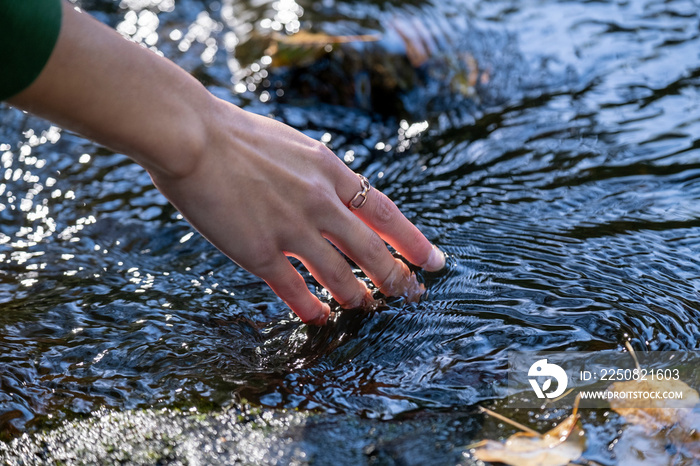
[121, 95]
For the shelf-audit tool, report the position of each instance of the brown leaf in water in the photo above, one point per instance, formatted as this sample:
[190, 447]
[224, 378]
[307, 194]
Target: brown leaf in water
[556, 447]
[424, 40]
[321, 39]
[663, 425]
[661, 422]
[417, 40]
[654, 414]
[305, 47]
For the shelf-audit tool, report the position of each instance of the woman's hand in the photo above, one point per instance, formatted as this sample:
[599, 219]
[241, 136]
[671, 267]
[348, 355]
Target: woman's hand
[262, 191]
[256, 188]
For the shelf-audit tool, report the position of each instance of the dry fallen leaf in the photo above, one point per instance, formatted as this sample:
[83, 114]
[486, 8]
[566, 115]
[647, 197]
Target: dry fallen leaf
[418, 42]
[557, 447]
[654, 414]
[659, 425]
[662, 424]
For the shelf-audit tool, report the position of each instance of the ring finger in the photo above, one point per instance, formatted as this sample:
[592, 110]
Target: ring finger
[382, 216]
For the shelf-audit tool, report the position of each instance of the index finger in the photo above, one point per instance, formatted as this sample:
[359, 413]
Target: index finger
[384, 217]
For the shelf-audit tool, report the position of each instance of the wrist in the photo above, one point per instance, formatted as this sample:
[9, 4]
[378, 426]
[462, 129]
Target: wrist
[209, 128]
[181, 147]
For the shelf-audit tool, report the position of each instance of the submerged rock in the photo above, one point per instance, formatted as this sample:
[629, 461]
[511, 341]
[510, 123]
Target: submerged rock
[407, 62]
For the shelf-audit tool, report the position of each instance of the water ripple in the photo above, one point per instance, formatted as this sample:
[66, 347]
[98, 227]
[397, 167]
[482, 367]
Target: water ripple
[565, 194]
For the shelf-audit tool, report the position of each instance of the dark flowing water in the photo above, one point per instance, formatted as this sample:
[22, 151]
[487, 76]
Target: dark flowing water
[564, 185]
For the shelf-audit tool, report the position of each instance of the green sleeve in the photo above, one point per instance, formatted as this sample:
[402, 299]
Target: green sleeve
[28, 33]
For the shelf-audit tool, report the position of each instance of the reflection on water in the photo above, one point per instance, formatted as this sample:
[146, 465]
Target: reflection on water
[565, 189]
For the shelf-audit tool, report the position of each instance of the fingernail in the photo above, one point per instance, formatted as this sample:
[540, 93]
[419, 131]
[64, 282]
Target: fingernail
[436, 260]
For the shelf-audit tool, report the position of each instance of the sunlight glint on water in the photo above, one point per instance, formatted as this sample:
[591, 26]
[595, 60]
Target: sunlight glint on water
[565, 191]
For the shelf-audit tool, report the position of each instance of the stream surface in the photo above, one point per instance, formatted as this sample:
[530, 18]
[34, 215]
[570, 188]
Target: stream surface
[564, 188]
